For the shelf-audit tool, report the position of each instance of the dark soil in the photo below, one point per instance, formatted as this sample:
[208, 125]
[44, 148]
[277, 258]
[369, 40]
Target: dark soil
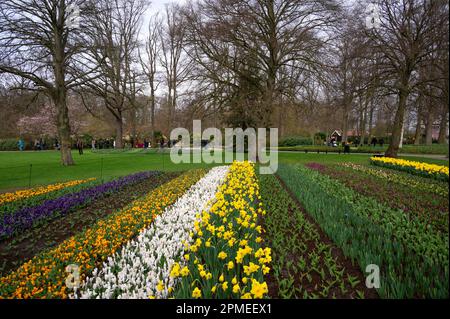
[315, 285]
[17, 250]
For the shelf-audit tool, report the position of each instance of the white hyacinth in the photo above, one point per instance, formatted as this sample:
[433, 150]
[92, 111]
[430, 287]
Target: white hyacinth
[135, 271]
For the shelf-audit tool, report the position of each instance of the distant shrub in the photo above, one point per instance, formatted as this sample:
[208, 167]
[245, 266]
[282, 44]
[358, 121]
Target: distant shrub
[9, 144]
[295, 141]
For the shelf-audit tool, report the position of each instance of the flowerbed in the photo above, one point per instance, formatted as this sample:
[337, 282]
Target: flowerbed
[394, 177]
[430, 209]
[372, 233]
[438, 172]
[141, 268]
[29, 216]
[44, 276]
[18, 249]
[305, 263]
[225, 258]
[21, 194]
[14, 206]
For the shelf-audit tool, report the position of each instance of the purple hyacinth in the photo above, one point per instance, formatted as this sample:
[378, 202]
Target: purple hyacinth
[28, 216]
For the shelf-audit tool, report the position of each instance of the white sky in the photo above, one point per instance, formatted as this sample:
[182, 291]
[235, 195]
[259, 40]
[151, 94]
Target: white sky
[155, 7]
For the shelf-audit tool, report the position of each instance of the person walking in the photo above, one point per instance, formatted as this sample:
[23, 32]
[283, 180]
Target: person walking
[80, 146]
[21, 144]
[93, 144]
[374, 141]
[346, 148]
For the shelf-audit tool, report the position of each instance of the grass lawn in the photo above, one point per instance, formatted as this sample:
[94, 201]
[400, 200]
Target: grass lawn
[435, 149]
[45, 169]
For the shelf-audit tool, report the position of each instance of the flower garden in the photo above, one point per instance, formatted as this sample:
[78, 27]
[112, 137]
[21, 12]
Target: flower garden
[308, 231]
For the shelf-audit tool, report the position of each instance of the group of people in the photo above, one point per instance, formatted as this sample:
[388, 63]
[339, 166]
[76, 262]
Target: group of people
[332, 142]
[41, 144]
[38, 144]
[375, 141]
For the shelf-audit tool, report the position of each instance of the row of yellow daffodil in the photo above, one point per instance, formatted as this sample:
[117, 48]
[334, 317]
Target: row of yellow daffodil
[26, 193]
[225, 259]
[439, 172]
[45, 275]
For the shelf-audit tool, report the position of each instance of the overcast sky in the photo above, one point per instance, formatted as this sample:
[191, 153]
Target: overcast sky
[157, 5]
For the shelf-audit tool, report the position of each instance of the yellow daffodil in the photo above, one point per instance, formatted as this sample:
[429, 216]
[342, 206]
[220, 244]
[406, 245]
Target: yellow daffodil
[222, 255]
[196, 293]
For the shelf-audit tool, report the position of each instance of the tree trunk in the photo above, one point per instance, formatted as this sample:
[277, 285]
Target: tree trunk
[119, 133]
[418, 134]
[63, 129]
[60, 100]
[362, 123]
[372, 108]
[173, 106]
[169, 111]
[344, 122]
[273, 52]
[400, 145]
[280, 116]
[429, 129]
[442, 139]
[152, 121]
[134, 134]
[398, 125]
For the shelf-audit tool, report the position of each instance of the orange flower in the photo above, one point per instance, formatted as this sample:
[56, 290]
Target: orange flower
[91, 246]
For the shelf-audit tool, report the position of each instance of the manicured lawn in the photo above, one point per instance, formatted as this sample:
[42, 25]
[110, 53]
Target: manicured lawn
[46, 168]
[436, 149]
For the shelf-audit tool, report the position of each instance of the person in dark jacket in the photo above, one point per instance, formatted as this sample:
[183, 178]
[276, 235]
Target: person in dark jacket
[80, 146]
[374, 141]
[346, 148]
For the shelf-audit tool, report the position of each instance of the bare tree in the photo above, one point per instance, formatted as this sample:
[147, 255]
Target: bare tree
[176, 67]
[38, 44]
[268, 35]
[113, 29]
[406, 38]
[149, 63]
